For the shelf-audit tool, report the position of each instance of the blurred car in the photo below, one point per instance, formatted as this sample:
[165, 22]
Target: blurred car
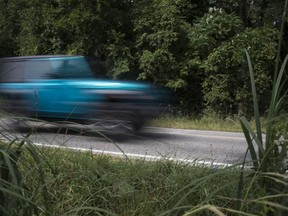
[64, 88]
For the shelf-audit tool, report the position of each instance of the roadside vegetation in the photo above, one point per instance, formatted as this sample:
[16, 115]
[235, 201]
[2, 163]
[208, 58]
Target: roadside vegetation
[206, 122]
[47, 181]
[61, 182]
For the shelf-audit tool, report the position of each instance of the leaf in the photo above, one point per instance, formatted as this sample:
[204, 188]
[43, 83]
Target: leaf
[255, 100]
[246, 130]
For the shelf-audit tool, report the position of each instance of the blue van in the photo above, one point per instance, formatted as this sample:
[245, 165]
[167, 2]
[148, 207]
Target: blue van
[64, 88]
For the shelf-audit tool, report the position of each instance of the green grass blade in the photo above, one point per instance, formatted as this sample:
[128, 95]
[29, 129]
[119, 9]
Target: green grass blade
[96, 210]
[276, 91]
[280, 102]
[241, 182]
[246, 130]
[253, 136]
[216, 211]
[39, 161]
[211, 208]
[8, 165]
[255, 100]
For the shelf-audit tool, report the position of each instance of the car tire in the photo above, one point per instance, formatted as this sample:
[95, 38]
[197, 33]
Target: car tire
[137, 121]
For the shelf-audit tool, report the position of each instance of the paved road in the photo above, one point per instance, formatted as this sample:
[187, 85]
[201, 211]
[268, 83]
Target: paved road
[153, 143]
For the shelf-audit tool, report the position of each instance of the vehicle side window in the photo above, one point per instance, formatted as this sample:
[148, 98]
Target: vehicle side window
[12, 71]
[39, 69]
[44, 68]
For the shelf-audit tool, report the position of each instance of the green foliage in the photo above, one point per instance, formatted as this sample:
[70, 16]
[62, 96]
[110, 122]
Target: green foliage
[52, 27]
[207, 33]
[161, 40]
[184, 45]
[16, 196]
[218, 25]
[68, 27]
[119, 57]
[191, 10]
[253, 13]
[86, 184]
[269, 154]
[226, 84]
[7, 30]
[164, 51]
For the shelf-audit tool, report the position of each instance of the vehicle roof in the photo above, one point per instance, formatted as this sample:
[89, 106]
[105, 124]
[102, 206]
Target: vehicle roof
[24, 58]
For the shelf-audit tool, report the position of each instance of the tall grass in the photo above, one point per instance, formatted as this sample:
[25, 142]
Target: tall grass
[26, 177]
[209, 121]
[86, 184]
[63, 182]
[15, 196]
[272, 151]
[269, 150]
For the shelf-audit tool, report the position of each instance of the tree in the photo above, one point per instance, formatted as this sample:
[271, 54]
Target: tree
[254, 13]
[163, 48]
[226, 85]
[8, 29]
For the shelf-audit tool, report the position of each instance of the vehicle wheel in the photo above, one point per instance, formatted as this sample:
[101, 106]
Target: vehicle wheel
[137, 121]
[132, 122]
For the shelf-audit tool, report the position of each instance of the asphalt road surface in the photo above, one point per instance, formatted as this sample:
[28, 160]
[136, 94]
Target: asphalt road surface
[223, 148]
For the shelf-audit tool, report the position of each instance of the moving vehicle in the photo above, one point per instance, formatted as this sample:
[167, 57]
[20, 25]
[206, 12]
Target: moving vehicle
[64, 88]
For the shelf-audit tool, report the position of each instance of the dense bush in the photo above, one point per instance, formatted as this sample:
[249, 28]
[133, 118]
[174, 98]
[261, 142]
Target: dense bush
[226, 85]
